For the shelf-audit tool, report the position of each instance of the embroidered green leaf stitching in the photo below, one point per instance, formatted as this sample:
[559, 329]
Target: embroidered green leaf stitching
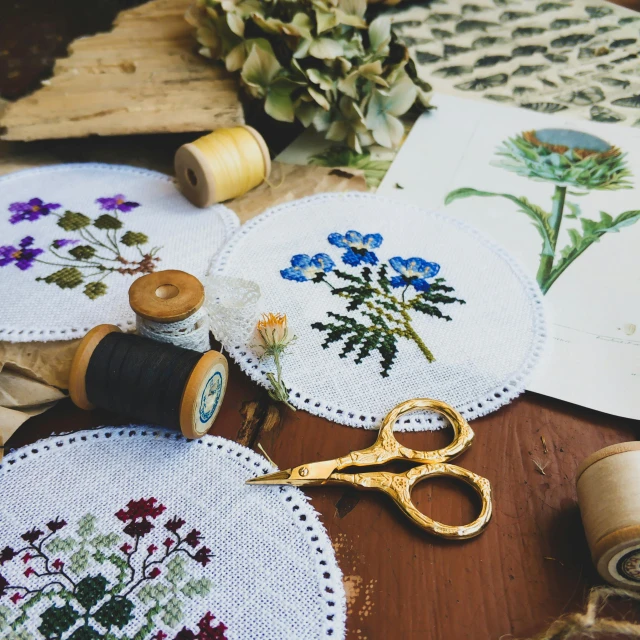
[386, 303]
[115, 613]
[172, 614]
[94, 599]
[5, 612]
[56, 620]
[99, 252]
[87, 525]
[72, 221]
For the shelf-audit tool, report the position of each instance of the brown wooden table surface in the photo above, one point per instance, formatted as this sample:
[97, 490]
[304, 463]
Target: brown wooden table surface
[530, 565]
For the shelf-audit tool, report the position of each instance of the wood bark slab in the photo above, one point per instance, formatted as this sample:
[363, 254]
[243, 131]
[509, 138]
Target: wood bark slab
[144, 76]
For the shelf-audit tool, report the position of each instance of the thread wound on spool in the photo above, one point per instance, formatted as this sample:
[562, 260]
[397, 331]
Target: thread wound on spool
[152, 382]
[222, 165]
[168, 307]
[608, 484]
[139, 378]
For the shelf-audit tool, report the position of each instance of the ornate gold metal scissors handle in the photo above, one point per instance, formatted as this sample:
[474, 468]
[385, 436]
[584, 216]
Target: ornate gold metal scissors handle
[399, 485]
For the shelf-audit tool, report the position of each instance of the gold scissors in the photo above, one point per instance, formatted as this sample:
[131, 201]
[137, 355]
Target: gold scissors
[399, 485]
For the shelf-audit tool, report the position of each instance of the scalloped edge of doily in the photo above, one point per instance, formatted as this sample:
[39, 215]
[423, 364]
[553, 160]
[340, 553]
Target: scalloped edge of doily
[330, 589]
[26, 335]
[497, 397]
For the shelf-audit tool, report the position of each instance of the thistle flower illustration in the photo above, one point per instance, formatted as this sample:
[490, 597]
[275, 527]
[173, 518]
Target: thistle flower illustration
[567, 158]
[570, 160]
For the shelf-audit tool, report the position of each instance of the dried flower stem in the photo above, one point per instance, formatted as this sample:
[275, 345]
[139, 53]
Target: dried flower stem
[278, 392]
[540, 467]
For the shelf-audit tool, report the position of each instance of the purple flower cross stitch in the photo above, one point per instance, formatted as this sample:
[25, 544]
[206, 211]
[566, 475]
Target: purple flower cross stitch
[23, 256]
[63, 242]
[30, 210]
[117, 203]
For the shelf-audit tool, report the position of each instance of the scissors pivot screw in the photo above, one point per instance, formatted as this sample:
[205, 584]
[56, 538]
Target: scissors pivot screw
[304, 472]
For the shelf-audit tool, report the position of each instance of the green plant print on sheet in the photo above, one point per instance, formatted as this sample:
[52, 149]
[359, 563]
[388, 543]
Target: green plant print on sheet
[575, 163]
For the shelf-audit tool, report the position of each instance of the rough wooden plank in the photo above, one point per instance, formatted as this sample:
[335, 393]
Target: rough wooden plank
[144, 76]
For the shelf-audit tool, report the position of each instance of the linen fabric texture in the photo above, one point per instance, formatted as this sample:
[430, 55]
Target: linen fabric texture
[74, 237]
[388, 302]
[151, 536]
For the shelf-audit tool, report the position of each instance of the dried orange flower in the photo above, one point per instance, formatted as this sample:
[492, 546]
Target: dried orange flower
[273, 334]
[272, 338]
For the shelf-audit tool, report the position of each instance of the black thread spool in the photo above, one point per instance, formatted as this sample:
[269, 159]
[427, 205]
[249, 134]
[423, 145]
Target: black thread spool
[154, 382]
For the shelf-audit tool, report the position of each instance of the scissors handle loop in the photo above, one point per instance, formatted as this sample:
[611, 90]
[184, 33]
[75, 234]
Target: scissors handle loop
[462, 432]
[399, 486]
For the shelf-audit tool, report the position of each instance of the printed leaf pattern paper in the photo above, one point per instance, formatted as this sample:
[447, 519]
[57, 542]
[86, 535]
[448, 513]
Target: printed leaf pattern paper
[60, 564]
[570, 56]
[88, 251]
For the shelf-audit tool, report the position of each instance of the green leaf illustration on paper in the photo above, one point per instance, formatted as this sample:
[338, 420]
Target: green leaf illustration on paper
[569, 160]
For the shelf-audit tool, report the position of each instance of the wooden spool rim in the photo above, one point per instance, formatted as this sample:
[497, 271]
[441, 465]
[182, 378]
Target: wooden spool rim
[80, 363]
[611, 450]
[189, 402]
[189, 158]
[145, 301]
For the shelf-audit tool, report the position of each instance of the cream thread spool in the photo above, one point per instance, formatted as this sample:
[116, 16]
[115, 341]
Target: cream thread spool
[168, 307]
[608, 484]
[222, 165]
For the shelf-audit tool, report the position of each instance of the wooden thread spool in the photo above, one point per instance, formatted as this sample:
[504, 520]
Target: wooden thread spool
[608, 484]
[167, 305]
[200, 391]
[222, 165]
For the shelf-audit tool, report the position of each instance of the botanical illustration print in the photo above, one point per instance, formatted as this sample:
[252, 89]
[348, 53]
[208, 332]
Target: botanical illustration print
[575, 163]
[380, 297]
[341, 156]
[548, 56]
[90, 249]
[96, 583]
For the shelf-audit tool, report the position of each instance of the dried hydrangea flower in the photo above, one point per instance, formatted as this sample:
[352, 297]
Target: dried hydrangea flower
[318, 62]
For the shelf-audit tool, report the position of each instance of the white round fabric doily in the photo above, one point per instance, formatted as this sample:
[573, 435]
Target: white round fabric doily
[136, 533]
[388, 302]
[74, 237]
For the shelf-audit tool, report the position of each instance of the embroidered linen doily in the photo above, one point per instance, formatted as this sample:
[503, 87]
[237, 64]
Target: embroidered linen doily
[74, 237]
[138, 533]
[389, 302]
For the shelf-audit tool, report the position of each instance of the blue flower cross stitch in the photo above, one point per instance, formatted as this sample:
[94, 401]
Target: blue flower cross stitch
[371, 293]
[305, 268]
[358, 247]
[413, 272]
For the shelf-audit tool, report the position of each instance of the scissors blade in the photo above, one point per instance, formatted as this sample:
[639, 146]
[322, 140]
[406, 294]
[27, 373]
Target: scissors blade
[305, 474]
[278, 477]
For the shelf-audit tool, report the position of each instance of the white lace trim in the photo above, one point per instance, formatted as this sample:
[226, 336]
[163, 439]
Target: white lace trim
[500, 395]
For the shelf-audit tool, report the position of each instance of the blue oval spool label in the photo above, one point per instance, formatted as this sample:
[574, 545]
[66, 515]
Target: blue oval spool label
[210, 398]
[628, 566]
